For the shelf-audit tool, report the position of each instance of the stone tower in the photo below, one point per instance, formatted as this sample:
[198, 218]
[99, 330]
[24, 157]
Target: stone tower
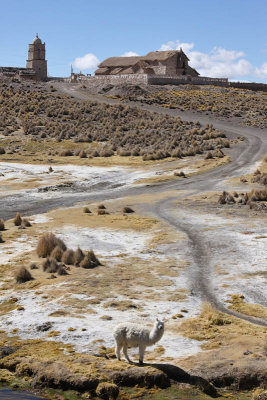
[36, 58]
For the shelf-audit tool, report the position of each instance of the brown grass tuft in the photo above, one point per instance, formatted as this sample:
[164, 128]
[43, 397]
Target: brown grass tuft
[86, 210]
[68, 257]
[23, 275]
[90, 260]
[102, 212]
[47, 243]
[78, 256]
[50, 265]
[62, 270]
[1, 238]
[34, 266]
[17, 220]
[57, 253]
[101, 207]
[2, 224]
[127, 210]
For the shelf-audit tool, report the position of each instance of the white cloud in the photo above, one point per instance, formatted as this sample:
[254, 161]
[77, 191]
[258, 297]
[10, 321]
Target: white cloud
[129, 54]
[88, 61]
[262, 71]
[219, 62]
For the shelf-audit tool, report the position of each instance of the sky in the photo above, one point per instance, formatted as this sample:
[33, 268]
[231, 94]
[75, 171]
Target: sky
[222, 38]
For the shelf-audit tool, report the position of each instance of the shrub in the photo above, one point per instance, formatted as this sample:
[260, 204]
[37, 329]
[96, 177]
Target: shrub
[180, 173]
[17, 220]
[50, 265]
[102, 212]
[23, 275]
[62, 270]
[90, 260]
[258, 195]
[78, 256]
[86, 210]
[127, 210]
[66, 153]
[208, 156]
[25, 222]
[82, 154]
[68, 257]
[2, 224]
[47, 243]
[57, 253]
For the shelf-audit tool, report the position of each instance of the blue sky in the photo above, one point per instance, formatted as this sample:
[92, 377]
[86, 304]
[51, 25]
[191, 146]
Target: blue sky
[226, 38]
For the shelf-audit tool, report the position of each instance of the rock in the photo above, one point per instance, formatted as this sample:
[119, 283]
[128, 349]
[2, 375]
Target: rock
[107, 391]
[143, 377]
[44, 327]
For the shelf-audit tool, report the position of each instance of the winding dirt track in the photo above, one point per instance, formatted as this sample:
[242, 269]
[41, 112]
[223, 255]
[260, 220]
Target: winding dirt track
[244, 155]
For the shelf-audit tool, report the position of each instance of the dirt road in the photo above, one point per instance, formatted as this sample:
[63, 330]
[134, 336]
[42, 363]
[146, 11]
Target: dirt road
[244, 155]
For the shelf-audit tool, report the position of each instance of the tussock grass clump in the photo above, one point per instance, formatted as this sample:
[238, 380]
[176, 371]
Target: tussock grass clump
[25, 222]
[78, 256]
[86, 210]
[102, 212]
[208, 156]
[90, 260]
[101, 207]
[57, 253]
[2, 224]
[258, 195]
[68, 257]
[66, 153]
[47, 243]
[127, 210]
[1, 238]
[2, 150]
[180, 173]
[23, 275]
[62, 270]
[226, 198]
[17, 220]
[50, 265]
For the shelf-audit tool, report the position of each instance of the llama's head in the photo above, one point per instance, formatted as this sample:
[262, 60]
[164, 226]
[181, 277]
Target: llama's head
[159, 325]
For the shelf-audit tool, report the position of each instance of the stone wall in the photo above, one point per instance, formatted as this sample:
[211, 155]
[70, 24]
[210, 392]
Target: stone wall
[145, 79]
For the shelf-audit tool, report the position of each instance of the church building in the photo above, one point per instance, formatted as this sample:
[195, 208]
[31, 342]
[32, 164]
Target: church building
[168, 63]
[36, 64]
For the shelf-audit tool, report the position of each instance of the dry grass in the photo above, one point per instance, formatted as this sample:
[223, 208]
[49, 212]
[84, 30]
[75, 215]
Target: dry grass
[86, 210]
[2, 224]
[57, 253]
[50, 265]
[68, 257]
[17, 220]
[90, 260]
[97, 130]
[78, 256]
[127, 210]
[47, 243]
[23, 275]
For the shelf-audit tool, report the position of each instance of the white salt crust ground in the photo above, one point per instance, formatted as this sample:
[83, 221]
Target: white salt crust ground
[237, 250]
[82, 175]
[110, 244]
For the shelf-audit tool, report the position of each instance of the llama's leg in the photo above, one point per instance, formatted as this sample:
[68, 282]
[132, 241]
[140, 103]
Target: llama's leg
[141, 354]
[118, 350]
[125, 353]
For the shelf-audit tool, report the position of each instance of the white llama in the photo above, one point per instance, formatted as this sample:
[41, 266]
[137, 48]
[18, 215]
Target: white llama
[133, 335]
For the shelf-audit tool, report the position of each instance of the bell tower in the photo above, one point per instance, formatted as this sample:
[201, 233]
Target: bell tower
[36, 58]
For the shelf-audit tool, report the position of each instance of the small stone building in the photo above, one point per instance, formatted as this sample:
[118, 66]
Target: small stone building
[168, 63]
